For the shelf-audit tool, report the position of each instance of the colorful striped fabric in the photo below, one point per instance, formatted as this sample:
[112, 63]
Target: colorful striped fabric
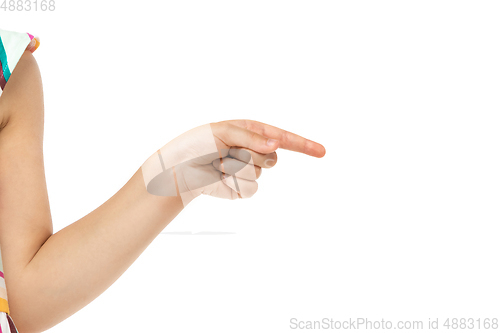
[6, 323]
[12, 46]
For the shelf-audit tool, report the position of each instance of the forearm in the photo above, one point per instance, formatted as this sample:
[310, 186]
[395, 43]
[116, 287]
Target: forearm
[78, 263]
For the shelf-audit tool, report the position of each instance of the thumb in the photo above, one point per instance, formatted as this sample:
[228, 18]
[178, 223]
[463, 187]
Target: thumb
[235, 136]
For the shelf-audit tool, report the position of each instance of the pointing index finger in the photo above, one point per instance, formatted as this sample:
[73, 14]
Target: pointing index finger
[287, 140]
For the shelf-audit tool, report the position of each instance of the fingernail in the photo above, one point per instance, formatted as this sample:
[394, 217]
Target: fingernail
[269, 162]
[271, 142]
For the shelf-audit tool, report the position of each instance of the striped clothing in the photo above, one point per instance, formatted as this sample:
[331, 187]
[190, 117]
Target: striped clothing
[12, 46]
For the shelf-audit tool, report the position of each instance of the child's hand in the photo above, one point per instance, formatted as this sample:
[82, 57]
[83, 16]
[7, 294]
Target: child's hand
[220, 159]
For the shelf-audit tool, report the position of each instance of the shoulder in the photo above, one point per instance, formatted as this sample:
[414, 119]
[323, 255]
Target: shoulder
[22, 94]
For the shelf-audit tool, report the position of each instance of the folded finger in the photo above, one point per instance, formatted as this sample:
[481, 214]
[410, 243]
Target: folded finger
[237, 168]
[245, 188]
[252, 157]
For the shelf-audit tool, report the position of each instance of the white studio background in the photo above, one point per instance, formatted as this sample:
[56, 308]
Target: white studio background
[399, 221]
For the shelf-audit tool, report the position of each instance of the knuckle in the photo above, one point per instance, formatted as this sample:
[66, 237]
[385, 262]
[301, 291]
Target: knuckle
[249, 190]
[220, 126]
[255, 187]
[285, 136]
[249, 126]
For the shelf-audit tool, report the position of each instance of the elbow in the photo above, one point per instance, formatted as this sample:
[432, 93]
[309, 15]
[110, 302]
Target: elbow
[24, 319]
[22, 325]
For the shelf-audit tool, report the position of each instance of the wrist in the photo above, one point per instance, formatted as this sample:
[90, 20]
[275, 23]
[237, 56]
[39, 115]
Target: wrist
[162, 182]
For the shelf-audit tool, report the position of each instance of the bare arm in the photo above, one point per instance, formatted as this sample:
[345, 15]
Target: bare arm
[49, 276]
[25, 220]
[79, 262]
[47, 284]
